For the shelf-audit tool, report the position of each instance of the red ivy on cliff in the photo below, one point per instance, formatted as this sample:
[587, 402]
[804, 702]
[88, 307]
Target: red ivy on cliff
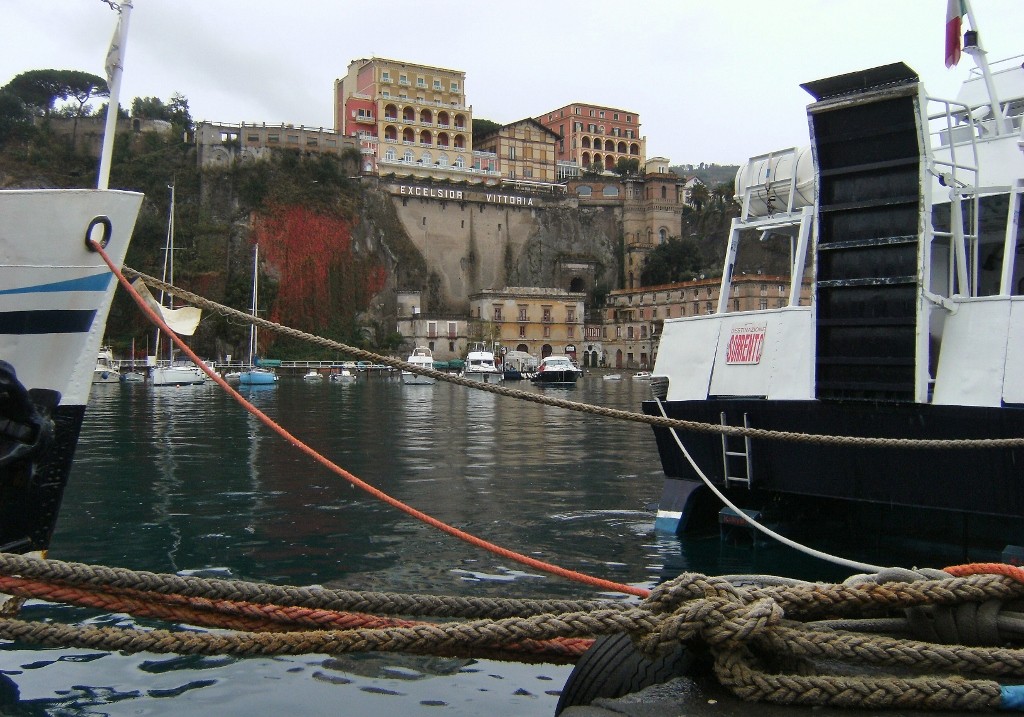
[320, 280]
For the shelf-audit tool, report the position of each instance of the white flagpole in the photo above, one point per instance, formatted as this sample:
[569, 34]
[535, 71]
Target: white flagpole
[114, 67]
[981, 59]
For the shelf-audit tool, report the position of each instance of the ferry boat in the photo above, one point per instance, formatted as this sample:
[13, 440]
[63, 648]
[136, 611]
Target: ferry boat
[902, 221]
[57, 291]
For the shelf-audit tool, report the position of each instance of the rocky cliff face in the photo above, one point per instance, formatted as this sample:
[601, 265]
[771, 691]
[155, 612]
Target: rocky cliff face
[450, 250]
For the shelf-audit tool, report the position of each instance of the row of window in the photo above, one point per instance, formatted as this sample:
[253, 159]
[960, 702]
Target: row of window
[403, 79]
[600, 114]
[599, 129]
[275, 138]
[570, 314]
[426, 116]
[763, 289]
[458, 141]
[427, 158]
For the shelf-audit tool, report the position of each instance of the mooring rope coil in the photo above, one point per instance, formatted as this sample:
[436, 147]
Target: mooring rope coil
[775, 642]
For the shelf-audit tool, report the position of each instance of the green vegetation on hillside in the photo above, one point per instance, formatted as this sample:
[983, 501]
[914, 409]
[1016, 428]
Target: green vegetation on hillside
[219, 213]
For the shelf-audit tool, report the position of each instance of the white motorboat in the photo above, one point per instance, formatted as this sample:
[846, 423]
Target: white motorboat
[313, 376]
[421, 357]
[557, 370]
[343, 376]
[480, 365]
[106, 368]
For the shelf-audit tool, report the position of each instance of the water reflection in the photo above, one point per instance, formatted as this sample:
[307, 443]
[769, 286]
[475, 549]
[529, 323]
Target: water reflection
[184, 480]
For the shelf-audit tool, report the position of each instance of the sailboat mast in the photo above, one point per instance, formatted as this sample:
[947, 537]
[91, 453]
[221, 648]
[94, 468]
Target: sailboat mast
[255, 289]
[168, 262]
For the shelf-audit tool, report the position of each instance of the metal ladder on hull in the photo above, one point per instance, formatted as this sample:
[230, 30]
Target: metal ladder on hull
[730, 456]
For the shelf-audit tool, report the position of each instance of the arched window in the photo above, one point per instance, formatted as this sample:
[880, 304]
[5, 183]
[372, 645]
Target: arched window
[426, 158]
[442, 139]
[390, 133]
[585, 143]
[621, 148]
[609, 146]
[662, 235]
[408, 157]
[460, 162]
[611, 190]
[408, 135]
[586, 159]
[664, 192]
[460, 122]
[459, 142]
[634, 149]
[442, 119]
[426, 138]
[426, 116]
[390, 112]
[584, 190]
[409, 114]
[390, 154]
[442, 161]
[609, 162]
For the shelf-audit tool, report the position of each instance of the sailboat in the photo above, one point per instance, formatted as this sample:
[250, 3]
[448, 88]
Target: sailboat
[253, 375]
[180, 373]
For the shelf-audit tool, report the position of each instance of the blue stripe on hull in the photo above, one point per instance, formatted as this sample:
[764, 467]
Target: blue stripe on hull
[96, 282]
[46, 321]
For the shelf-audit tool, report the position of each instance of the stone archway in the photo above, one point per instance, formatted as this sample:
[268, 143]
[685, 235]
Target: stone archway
[577, 285]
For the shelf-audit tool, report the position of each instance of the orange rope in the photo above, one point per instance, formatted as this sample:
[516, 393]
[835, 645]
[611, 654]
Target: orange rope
[354, 480]
[1010, 571]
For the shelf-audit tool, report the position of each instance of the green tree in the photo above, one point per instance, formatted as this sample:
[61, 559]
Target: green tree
[40, 89]
[175, 111]
[675, 260]
[13, 114]
[483, 126]
[699, 195]
[626, 167]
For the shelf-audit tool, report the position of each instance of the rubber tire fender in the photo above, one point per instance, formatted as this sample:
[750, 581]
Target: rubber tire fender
[613, 667]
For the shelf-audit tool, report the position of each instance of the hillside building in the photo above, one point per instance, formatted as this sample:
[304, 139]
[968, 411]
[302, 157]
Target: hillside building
[592, 135]
[525, 151]
[411, 120]
[534, 320]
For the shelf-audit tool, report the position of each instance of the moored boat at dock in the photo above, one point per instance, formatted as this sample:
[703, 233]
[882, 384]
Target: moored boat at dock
[480, 365]
[421, 357]
[908, 236]
[556, 370]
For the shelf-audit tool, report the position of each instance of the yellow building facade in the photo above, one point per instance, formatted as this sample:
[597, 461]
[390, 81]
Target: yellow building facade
[538, 321]
[525, 151]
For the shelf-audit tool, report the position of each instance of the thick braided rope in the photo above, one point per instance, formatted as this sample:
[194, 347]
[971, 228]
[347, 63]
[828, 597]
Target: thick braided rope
[747, 635]
[745, 628]
[103, 577]
[618, 414]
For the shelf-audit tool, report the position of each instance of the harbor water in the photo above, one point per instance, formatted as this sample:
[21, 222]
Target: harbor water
[183, 480]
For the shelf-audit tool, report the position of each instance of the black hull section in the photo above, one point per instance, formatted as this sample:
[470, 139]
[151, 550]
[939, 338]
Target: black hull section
[981, 486]
[560, 378]
[31, 489]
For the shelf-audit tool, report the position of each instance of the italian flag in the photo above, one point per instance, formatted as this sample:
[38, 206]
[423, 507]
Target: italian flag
[955, 10]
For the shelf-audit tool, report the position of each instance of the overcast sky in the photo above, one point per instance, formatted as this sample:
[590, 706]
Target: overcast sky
[712, 81]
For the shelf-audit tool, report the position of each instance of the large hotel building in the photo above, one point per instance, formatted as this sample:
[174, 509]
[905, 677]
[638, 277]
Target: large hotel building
[410, 118]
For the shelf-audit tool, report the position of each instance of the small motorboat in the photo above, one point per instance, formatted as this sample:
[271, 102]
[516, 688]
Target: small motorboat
[642, 376]
[313, 376]
[613, 377]
[343, 376]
